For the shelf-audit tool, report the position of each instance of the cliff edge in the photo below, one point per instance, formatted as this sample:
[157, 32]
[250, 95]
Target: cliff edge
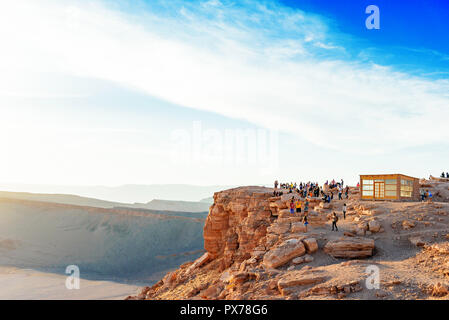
[257, 249]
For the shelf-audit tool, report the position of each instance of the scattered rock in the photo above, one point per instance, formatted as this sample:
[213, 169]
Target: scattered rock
[417, 241]
[407, 224]
[298, 279]
[440, 290]
[350, 248]
[283, 253]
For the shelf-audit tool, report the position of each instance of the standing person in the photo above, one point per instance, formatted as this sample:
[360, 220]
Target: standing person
[423, 195]
[306, 206]
[347, 192]
[292, 206]
[430, 196]
[340, 192]
[298, 206]
[344, 211]
[334, 221]
[276, 183]
[304, 220]
[447, 175]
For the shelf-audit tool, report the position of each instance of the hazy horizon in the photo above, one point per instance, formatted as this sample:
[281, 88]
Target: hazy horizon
[127, 194]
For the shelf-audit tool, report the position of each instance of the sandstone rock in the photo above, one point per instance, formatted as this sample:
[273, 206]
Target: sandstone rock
[303, 259]
[279, 228]
[298, 227]
[406, 224]
[440, 290]
[310, 244]
[325, 205]
[284, 213]
[360, 231]
[350, 248]
[341, 295]
[241, 277]
[283, 253]
[382, 293]
[298, 260]
[417, 241]
[308, 258]
[225, 276]
[363, 225]
[199, 262]
[374, 226]
[296, 279]
[212, 292]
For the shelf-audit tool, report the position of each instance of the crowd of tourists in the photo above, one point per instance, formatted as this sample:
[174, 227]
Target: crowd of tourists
[313, 189]
[306, 191]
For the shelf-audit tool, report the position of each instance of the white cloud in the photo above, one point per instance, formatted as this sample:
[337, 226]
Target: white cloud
[260, 65]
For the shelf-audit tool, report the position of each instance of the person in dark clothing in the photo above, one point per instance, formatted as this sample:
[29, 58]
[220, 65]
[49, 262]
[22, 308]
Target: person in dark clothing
[442, 175]
[344, 211]
[334, 222]
[423, 195]
[347, 192]
[447, 175]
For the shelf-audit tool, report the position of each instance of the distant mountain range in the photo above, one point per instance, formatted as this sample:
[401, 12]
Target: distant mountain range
[124, 194]
[163, 205]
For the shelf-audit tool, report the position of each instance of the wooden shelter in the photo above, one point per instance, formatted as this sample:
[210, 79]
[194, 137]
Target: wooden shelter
[389, 187]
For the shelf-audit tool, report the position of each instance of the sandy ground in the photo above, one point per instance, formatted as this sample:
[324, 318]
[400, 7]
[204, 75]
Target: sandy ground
[27, 284]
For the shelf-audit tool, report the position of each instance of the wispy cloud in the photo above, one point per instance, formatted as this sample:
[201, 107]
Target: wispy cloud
[274, 66]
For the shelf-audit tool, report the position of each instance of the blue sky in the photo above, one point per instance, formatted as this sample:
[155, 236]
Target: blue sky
[413, 34]
[221, 92]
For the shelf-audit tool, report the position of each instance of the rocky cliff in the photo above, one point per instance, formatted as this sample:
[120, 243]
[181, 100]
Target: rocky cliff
[256, 249]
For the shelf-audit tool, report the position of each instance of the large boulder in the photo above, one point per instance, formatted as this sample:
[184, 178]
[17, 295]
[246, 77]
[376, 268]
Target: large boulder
[279, 227]
[283, 253]
[311, 245]
[374, 226]
[353, 247]
[298, 227]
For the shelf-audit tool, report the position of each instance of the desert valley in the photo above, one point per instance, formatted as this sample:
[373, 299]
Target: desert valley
[116, 246]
